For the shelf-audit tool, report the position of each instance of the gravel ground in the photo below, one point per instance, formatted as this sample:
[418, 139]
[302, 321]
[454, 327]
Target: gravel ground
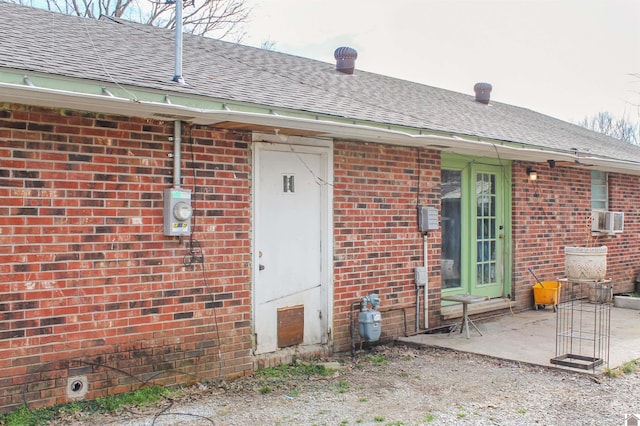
[398, 385]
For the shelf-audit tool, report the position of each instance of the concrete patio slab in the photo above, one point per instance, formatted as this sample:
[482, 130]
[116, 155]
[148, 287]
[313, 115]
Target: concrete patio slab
[530, 337]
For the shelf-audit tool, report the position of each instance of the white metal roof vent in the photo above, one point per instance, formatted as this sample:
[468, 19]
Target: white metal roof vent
[345, 59]
[483, 92]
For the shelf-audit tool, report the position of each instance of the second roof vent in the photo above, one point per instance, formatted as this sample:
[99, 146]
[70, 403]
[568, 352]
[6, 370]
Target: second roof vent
[483, 92]
[345, 59]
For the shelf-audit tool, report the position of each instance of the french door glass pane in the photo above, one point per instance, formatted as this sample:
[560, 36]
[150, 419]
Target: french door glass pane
[486, 228]
[451, 227]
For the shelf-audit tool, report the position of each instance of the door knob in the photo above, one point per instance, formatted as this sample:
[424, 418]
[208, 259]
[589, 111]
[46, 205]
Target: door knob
[260, 267]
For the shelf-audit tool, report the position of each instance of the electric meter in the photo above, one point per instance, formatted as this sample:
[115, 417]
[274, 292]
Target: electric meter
[182, 211]
[177, 211]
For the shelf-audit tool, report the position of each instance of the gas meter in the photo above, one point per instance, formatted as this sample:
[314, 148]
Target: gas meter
[370, 319]
[177, 211]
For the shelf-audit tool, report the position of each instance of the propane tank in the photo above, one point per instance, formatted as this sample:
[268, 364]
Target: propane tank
[369, 319]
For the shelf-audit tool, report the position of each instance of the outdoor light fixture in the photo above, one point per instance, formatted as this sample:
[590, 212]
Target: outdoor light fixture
[532, 174]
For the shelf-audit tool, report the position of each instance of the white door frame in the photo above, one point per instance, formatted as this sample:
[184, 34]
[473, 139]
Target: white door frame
[324, 148]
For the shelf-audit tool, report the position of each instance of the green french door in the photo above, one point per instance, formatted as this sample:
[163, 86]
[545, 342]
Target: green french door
[475, 222]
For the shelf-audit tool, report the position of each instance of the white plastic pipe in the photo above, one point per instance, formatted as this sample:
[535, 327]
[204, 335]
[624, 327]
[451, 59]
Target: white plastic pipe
[417, 307]
[426, 283]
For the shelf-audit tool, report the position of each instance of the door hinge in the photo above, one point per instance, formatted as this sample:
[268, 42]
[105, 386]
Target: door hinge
[288, 183]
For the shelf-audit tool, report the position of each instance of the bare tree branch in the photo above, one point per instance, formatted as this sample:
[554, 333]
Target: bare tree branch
[605, 123]
[211, 18]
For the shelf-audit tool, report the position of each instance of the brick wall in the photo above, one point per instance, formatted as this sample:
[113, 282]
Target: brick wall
[552, 213]
[88, 283]
[376, 239]
[90, 286]
[624, 258]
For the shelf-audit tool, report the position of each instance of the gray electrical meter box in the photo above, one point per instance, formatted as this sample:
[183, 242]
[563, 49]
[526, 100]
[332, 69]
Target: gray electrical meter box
[177, 211]
[427, 218]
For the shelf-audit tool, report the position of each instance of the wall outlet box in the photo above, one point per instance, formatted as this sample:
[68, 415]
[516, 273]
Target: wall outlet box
[427, 218]
[420, 276]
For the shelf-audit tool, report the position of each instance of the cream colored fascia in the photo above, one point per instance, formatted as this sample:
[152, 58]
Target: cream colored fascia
[58, 92]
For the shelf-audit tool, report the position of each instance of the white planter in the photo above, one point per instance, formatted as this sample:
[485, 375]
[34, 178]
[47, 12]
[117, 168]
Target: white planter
[624, 301]
[585, 263]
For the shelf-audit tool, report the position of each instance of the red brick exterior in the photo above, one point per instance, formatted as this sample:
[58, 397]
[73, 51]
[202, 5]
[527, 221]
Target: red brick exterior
[553, 212]
[88, 283]
[90, 286]
[376, 239]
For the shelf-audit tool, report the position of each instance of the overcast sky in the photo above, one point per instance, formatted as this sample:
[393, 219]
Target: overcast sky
[565, 58]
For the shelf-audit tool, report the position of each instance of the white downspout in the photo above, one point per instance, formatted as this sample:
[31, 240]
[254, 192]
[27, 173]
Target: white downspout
[426, 284]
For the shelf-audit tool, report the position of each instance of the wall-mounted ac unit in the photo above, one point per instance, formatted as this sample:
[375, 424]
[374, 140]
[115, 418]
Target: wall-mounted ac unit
[607, 222]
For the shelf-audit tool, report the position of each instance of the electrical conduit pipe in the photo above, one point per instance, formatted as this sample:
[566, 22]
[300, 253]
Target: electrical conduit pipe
[177, 143]
[426, 284]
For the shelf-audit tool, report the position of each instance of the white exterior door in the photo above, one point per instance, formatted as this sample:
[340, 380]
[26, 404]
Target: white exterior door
[291, 256]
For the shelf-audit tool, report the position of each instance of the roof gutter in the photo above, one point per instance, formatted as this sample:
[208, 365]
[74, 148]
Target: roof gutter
[338, 128]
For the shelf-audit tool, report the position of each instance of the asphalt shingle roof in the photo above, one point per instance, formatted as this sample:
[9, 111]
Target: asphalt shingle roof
[143, 56]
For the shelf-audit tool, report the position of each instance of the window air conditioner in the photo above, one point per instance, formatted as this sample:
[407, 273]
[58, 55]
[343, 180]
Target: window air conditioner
[607, 222]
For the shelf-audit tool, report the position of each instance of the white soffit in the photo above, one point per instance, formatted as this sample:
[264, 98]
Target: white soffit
[322, 127]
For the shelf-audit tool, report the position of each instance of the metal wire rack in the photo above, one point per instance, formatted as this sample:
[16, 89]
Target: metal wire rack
[583, 324]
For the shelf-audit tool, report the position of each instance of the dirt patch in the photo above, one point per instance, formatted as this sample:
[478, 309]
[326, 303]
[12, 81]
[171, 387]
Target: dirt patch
[399, 385]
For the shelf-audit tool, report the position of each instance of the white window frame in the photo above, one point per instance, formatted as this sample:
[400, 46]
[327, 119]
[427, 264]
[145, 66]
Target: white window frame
[599, 179]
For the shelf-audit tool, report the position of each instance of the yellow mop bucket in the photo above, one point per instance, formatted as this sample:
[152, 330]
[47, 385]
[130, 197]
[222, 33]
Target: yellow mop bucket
[546, 293]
